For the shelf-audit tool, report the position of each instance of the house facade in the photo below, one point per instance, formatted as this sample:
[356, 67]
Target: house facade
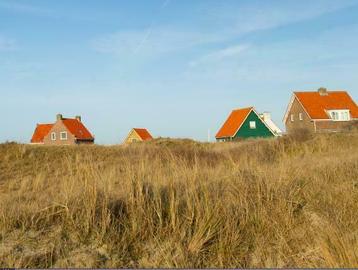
[247, 123]
[138, 135]
[65, 131]
[320, 111]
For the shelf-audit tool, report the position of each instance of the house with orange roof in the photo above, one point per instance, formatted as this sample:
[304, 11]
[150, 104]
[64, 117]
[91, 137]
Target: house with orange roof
[65, 131]
[320, 111]
[247, 123]
[138, 135]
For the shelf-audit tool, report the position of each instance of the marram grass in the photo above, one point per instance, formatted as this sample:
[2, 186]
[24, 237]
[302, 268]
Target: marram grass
[291, 202]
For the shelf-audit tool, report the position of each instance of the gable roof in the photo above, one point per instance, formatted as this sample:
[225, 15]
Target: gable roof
[143, 133]
[40, 132]
[316, 104]
[78, 129]
[233, 123]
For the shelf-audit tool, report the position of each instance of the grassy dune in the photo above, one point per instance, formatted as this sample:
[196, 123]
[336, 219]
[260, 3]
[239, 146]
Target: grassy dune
[291, 202]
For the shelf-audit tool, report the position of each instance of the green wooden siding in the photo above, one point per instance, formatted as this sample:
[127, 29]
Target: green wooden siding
[261, 129]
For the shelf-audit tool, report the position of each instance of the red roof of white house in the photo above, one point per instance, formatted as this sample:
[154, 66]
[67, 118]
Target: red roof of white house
[317, 104]
[143, 133]
[40, 132]
[233, 123]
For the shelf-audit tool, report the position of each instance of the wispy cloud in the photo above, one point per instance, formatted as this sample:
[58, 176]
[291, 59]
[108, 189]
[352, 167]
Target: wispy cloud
[264, 15]
[150, 28]
[42, 11]
[26, 9]
[222, 54]
[219, 25]
[7, 44]
[165, 3]
[152, 42]
[145, 42]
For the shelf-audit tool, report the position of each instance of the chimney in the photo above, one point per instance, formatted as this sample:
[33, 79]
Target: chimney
[265, 116]
[323, 91]
[59, 117]
[78, 118]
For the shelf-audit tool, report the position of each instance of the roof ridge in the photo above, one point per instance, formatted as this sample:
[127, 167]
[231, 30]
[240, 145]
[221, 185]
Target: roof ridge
[328, 91]
[242, 109]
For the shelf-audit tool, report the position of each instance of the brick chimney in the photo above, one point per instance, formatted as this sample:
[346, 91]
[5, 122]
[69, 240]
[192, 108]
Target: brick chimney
[78, 117]
[59, 117]
[323, 91]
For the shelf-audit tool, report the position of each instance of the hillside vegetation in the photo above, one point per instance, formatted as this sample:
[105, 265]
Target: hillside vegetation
[291, 202]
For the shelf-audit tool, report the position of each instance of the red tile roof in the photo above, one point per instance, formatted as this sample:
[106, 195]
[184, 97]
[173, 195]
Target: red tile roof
[143, 134]
[40, 132]
[77, 129]
[233, 123]
[316, 104]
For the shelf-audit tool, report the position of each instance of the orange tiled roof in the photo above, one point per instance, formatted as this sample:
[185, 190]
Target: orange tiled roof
[143, 133]
[233, 123]
[78, 129]
[40, 132]
[316, 104]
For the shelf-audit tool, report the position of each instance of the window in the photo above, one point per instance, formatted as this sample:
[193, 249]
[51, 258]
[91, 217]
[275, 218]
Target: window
[300, 116]
[339, 115]
[63, 136]
[252, 124]
[53, 136]
[292, 118]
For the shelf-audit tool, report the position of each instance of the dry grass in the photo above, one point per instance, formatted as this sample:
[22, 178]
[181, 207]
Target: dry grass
[291, 202]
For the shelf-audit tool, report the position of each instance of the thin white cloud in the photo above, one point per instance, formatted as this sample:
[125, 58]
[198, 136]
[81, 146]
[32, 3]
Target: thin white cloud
[150, 28]
[223, 24]
[222, 54]
[152, 42]
[165, 3]
[27, 9]
[31, 9]
[7, 44]
[264, 15]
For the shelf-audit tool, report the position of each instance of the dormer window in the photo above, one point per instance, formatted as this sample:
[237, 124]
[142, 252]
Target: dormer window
[339, 115]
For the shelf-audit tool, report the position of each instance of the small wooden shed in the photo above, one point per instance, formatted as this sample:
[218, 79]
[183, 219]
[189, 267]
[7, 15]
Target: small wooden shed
[138, 135]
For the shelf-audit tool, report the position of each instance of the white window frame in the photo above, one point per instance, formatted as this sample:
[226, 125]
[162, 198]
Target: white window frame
[292, 117]
[65, 137]
[53, 136]
[252, 124]
[300, 116]
[340, 115]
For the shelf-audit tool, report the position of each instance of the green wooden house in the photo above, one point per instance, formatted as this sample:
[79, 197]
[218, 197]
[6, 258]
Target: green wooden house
[247, 123]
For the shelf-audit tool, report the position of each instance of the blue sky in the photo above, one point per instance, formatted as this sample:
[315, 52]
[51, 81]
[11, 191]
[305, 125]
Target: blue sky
[177, 67]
